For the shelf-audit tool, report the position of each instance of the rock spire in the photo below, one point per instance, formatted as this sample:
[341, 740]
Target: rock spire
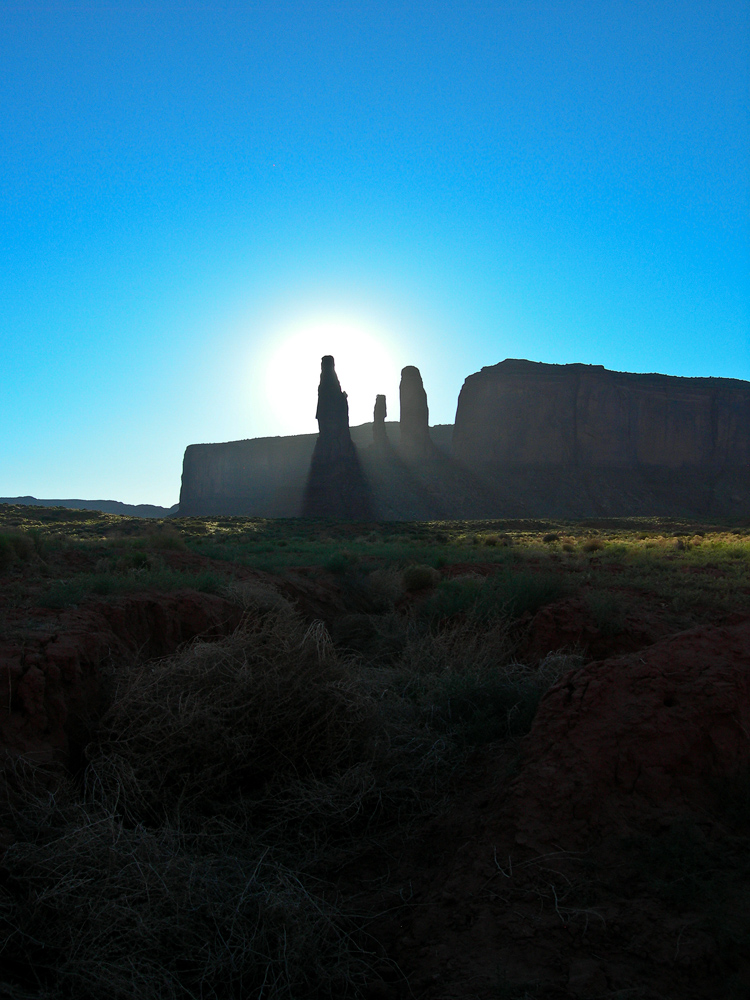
[379, 433]
[336, 485]
[416, 443]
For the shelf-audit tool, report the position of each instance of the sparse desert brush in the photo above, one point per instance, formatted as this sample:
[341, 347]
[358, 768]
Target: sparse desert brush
[128, 579]
[15, 546]
[466, 644]
[452, 597]
[615, 550]
[466, 682]
[340, 561]
[482, 707]
[7, 555]
[518, 592]
[551, 536]
[166, 537]
[507, 593]
[737, 551]
[419, 577]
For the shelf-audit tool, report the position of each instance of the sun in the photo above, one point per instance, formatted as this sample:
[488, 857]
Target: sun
[365, 365]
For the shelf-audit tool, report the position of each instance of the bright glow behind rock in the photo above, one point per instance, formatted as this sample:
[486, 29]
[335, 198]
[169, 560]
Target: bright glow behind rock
[364, 364]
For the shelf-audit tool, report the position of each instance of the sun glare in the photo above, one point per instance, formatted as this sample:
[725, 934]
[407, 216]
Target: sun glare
[364, 364]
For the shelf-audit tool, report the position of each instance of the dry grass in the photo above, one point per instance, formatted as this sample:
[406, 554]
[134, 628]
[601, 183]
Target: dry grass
[221, 720]
[95, 907]
[222, 784]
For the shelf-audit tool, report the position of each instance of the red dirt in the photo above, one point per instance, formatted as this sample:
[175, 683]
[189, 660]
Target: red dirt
[508, 886]
[51, 681]
[500, 888]
[636, 738]
[570, 624]
[52, 661]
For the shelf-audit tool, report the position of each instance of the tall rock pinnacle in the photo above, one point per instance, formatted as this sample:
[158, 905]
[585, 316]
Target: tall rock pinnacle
[379, 433]
[416, 443]
[336, 486]
[332, 414]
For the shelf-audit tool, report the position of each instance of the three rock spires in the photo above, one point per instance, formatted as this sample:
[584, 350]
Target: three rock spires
[332, 415]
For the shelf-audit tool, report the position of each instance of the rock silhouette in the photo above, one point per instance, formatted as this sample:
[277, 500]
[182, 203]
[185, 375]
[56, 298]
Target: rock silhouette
[530, 440]
[379, 433]
[415, 431]
[332, 414]
[525, 413]
[336, 485]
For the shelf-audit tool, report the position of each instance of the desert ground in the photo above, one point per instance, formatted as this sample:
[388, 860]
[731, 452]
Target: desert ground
[249, 758]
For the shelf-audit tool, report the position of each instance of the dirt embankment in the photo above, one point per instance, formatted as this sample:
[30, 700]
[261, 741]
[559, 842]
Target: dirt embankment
[528, 876]
[637, 739]
[52, 682]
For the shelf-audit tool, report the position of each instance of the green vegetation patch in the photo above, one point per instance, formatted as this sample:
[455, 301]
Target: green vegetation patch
[508, 592]
[63, 593]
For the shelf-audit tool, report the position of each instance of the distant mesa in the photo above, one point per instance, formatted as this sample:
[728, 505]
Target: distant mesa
[105, 506]
[529, 440]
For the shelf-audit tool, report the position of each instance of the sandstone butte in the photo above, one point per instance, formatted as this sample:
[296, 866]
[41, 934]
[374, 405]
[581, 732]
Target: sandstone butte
[529, 440]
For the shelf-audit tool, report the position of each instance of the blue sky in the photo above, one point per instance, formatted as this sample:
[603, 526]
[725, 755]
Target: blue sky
[190, 188]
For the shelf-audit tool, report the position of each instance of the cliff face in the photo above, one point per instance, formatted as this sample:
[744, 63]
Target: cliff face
[262, 477]
[530, 414]
[530, 440]
[267, 477]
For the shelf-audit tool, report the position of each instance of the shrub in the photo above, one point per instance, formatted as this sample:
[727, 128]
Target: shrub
[592, 545]
[256, 595]
[339, 562]
[385, 587]
[15, 545]
[7, 556]
[355, 632]
[481, 708]
[467, 683]
[505, 593]
[452, 597]
[551, 537]
[167, 538]
[416, 578]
